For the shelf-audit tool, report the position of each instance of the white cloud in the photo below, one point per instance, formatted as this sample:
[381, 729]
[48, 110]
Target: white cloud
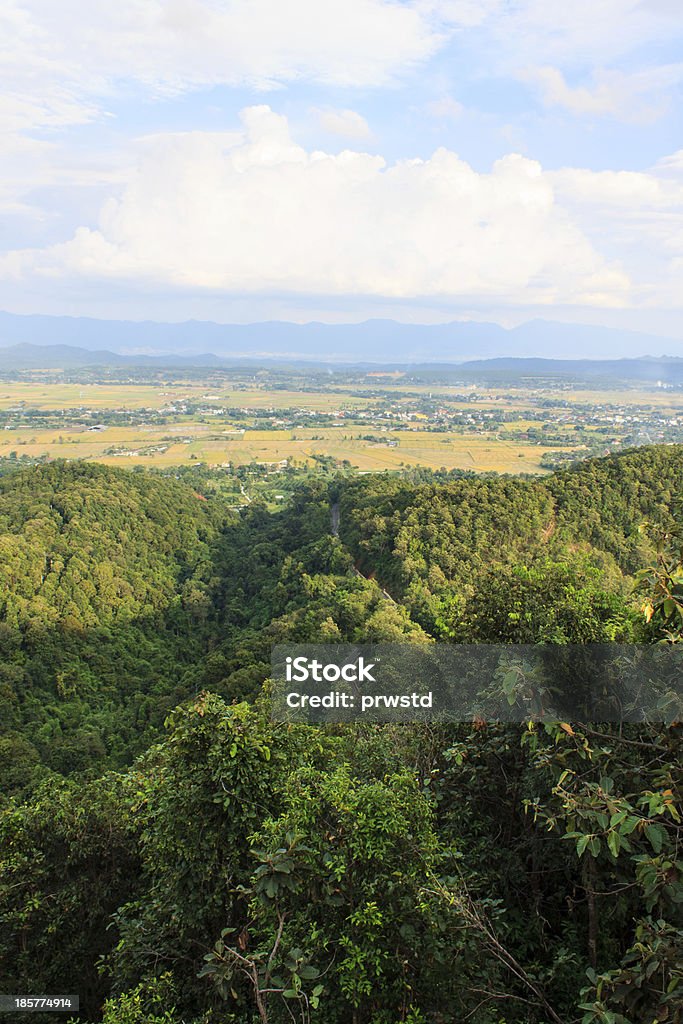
[59, 61]
[671, 166]
[636, 96]
[262, 214]
[446, 108]
[35, 171]
[253, 210]
[637, 214]
[580, 33]
[461, 13]
[628, 192]
[347, 123]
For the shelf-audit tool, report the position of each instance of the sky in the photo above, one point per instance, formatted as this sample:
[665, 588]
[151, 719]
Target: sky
[335, 160]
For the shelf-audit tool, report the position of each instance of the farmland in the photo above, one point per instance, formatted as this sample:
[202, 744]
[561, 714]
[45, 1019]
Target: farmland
[301, 419]
[414, 447]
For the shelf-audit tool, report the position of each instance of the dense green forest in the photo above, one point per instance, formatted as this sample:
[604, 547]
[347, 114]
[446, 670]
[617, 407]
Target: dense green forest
[175, 857]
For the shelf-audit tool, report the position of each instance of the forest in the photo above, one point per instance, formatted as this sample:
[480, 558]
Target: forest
[174, 856]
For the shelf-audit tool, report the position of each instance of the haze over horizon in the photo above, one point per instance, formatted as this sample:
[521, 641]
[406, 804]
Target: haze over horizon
[26, 340]
[427, 161]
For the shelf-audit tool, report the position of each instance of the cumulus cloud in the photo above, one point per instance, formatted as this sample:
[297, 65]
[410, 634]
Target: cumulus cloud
[630, 193]
[637, 214]
[258, 213]
[347, 123]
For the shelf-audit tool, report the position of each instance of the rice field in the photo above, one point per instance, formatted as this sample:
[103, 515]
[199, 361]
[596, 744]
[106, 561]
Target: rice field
[179, 444]
[200, 426]
[40, 395]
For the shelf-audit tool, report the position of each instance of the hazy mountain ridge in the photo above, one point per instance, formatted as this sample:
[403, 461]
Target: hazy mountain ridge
[26, 356]
[379, 341]
[666, 369]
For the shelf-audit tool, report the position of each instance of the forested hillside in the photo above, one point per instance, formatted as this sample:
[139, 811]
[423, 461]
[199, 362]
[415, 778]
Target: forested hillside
[106, 582]
[227, 869]
[459, 552]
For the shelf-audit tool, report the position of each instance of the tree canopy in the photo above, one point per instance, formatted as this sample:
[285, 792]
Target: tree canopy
[175, 857]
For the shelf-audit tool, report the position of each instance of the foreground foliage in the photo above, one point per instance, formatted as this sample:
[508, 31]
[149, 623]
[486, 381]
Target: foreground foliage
[238, 870]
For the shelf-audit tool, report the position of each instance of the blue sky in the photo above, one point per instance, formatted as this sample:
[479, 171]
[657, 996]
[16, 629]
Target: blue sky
[426, 160]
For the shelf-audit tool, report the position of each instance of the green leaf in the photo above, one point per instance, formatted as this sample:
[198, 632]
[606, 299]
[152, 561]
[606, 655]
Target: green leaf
[629, 825]
[509, 682]
[655, 833]
[309, 972]
[582, 844]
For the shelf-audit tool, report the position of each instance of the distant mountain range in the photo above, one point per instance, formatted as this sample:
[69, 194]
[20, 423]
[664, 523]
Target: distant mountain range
[666, 369]
[69, 357]
[374, 341]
